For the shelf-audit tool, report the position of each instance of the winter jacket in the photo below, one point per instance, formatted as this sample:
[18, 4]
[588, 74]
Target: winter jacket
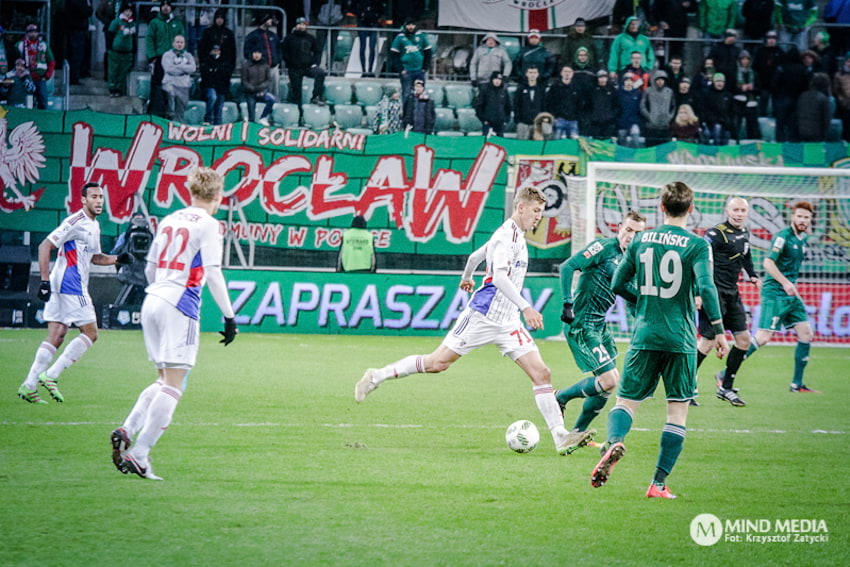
[716, 16]
[685, 132]
[813, 116]
[841, 89]
[39, 58]
[766, 61]
[796, 15]
[758, 17]
[124, 32]
[566, 101]
[837, 11]
[178, 68]
[161, 33]
[300, 50]
[674, 13]
[494, 104]
[264, 41]
[574, 41]
[790, 80]
[692, 98]
[624, 44]
[221, 36]
[215, 74]
[419, 112]
[629, 108]
[256, 77]
[717, 109]
[536, 56]
[486, 60]
[658, 105]
[604, 105]
[411, 51]
[528, 102]
[77, 14]
[726, 61]
[387, 118]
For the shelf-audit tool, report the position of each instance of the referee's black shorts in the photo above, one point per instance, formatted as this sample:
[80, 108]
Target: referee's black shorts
[732, 311]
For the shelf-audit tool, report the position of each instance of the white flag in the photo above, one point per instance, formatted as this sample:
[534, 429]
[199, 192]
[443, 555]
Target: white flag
[520, 15]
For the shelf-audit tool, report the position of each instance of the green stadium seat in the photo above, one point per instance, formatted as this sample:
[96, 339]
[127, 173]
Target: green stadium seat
[368, 92]
[436, 93]
[317, 117]
[371, 111]
[361, 131]
[229, 113]
[459, 96]
[445, 119]
[55, 103]
[511, 45]
[348, 116]
[344, 43]
[285, 115]
[143, 86]
[283, 95]
[833, 133]
[306, 90]
[467, 121]
[236, 88]
[449, 133]
[194, 114]
[338, 91]
[767, 127]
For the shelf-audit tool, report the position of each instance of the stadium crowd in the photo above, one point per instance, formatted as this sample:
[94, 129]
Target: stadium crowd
[656, 70]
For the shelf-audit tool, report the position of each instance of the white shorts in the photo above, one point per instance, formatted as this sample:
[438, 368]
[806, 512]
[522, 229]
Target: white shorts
[473, 330]
[69, 309]
[171, 338]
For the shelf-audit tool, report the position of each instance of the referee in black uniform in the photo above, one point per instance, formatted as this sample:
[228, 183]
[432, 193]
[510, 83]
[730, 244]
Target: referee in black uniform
[730, 246]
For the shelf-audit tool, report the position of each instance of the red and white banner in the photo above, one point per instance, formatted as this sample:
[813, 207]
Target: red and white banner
[520, 15]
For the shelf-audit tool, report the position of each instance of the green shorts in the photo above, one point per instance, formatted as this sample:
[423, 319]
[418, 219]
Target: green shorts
[643, 368]
[783, 311]
[593, 348]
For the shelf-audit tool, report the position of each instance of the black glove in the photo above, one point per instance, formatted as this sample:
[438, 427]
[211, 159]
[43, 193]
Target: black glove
[124, 258]
[567, 315]
[44, 291]
[229, 332]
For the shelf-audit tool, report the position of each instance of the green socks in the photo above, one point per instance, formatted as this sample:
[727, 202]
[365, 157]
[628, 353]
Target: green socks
[619, 423]
[591, 408]
[672, 439]
[581, 389]
[801, 359]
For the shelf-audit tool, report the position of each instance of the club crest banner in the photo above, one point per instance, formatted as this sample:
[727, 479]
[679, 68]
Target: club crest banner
[520, 15]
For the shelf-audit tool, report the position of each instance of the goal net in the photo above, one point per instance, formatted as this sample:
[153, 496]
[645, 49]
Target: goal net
[611, 189]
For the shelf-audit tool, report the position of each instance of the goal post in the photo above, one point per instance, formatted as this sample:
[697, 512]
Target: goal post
[611, 189]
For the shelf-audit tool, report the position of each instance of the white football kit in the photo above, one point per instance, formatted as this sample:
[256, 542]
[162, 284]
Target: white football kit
[77, 239]
[186, 242]
[492, 316]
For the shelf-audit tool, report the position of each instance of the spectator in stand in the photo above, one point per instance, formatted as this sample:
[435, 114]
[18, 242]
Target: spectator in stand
[368, 16]
[493, 108]
[490, 57]
[222, 36]
[671, 16]
[123, 31]
[302, 54]
[685, 126]
[628, 120]
[418, 112]
[658, 107]
[215, 83]
[387, 118]
[578, 36]
[675, 72]
[603, 110]
[178, 65]
[686, 95]
[585, 73]
[264, 40]
[411, 55]
[813, 110]
[566, 101]
[17, 85]
[703, 81]
[256, 86]
[793, 20]
[625, 9]
[717, 16]
[162, 30]
[533, 54]
[758, 17]
[745, 99]
[838, 12]
[725, 55]
[528, 103]
[39, 62]
[76, 21]
[824, 50]
[543, 127]
[199, 16]
[841, 90]
[789, 83]
[767, 60]
[4, 58]
[717, 112]
[811, 63]
[106, 12]
[628, 42]
[637, 69]
[330, 15]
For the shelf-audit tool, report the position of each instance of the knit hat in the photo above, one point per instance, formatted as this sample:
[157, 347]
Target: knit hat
[32, 27]
[823, 36]
[684, 80]
[602, 73]
[496, 75]
[744, 53]
[215, 47]
[579, 22]
[534, 33]
[164, 2]
[300, 21]
[419, 82]
[718, 77]
[730, 33]
[771, 33]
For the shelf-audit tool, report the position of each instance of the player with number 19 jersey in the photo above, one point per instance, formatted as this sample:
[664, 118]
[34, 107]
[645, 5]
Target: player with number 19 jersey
[186, 242]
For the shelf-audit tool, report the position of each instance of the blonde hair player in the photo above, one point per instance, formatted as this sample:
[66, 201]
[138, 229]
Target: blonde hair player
[492, 316]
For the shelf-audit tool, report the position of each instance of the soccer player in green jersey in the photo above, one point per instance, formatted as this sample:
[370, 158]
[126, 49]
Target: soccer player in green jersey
[584, 319]
[669, 265]
[781, 304]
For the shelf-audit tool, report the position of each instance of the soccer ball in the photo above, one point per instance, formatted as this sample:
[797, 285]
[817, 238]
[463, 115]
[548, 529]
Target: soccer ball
[522, 436]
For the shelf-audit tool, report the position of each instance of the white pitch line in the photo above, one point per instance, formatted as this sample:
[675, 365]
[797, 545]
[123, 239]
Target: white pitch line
[415, 426]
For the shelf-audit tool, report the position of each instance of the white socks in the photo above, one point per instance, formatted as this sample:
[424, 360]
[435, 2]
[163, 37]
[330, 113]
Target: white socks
[72, 353]
[43, 356]
[413, 364]
[136, 419]
[544, 395]
[158, 418]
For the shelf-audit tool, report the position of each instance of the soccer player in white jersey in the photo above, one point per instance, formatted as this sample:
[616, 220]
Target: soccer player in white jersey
[66, 294]
[492, 317]
[185, 254]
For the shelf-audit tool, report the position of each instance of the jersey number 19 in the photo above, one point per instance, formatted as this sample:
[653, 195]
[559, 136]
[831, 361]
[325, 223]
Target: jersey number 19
[669, 270]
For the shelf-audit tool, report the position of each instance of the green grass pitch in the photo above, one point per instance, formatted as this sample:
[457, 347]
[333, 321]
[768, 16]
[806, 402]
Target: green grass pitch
[269, 461]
